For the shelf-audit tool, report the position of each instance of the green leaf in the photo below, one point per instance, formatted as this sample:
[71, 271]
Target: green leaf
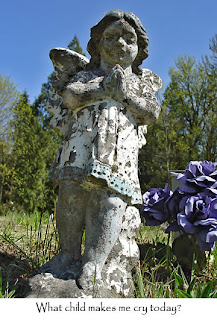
[207, 291]
[0, 281]
[140, 283]
[178, 280]
[197, 293]
[167, 293]
[183, 277]
[11, 293]
[214, 295]
[182, 294]
[191, 285]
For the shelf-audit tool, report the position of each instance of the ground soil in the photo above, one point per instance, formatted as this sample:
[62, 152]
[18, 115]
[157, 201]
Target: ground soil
[15, 271]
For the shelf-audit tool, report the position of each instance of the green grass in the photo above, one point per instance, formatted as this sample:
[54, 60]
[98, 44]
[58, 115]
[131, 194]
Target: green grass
[28, 241]
[162, 275]
[5, 291]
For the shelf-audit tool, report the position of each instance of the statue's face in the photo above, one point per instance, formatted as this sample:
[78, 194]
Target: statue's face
[118, 44]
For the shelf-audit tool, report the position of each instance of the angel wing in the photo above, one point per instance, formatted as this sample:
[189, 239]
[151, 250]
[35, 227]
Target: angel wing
[67, 63]
[152, 79]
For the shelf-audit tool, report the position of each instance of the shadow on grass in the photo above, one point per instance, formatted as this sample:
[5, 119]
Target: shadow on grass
[16, 272]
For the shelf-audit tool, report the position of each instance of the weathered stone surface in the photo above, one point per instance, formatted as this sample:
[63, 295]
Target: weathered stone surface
[67, 63]
[102, 107]
[116, 273]
[47, 286]
[124, 256]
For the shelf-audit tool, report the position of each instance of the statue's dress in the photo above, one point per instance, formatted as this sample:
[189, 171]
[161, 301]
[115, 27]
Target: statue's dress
[102, 140]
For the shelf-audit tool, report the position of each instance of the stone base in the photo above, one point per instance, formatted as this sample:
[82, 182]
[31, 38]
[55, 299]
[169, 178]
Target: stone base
[116, 277]
[45, 285]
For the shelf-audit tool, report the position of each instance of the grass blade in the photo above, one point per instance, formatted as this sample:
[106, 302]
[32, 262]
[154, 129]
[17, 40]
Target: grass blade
[207, 291]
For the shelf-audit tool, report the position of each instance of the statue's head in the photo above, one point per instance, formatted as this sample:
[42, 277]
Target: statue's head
[106, 30]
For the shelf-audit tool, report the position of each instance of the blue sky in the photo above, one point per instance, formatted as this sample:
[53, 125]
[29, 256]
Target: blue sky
[29, 29]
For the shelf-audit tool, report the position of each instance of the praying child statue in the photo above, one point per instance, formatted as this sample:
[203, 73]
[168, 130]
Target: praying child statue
[103, 108]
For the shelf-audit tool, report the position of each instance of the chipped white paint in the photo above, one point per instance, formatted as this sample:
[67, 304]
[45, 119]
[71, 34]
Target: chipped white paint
[102, 108]
[106, 137]
[124, 255]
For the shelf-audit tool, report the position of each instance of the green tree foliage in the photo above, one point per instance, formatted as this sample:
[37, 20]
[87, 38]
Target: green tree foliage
[75, 45]
[187, 127]
[39, 105]
[210, 66]
[28, 152]
[33, 152]
[42, 191]
[8, 98]
[6, 171]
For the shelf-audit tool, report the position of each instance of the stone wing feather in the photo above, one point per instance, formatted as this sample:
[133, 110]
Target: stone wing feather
[67, 63]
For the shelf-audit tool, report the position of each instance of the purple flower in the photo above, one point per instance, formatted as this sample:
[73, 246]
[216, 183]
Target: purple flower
[199, 176]
[174, 202]
[199, 218]
[174, 205]
[155, 210]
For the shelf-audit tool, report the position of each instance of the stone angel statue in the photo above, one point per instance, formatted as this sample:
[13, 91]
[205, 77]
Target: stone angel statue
[102, 108]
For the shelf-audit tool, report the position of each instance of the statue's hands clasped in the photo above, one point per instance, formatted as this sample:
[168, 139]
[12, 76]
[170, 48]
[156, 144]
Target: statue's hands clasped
[114, 84]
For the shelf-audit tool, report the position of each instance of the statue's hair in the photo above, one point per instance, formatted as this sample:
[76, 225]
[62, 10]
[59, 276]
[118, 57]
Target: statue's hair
[98, 29]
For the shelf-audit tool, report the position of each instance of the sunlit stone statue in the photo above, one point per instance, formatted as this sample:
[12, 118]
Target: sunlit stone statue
[102, 108]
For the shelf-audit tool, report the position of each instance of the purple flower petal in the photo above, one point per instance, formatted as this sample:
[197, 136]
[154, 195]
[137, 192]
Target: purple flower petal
[205, 246]
[187, 188]
[206, 222]
[211, 236]
[198, 175]
[173, 227]
[152, 223]
[213, 209]
[186, 224]
[207, 236]
[154, 205]
[189, 206]
[208, 167]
